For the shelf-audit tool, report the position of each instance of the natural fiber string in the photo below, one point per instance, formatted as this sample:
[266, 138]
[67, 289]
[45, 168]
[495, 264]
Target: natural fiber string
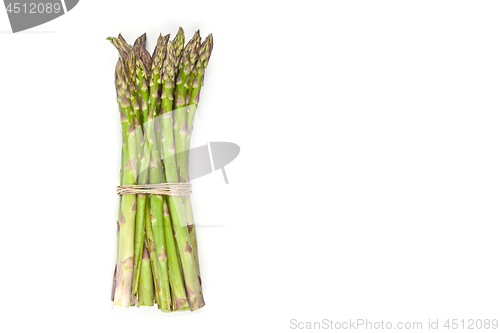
[173, 189]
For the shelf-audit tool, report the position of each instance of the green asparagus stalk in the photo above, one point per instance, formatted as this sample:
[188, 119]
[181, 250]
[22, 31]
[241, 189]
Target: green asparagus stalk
[131, 93]
[142, 73]
[155, 177]
[189, 56]
[179, 299]
[121, 86]
[158, 230]
[131, 72]
[128, 206]
[140, 232]
[142, 67]
[170, 174]
[113, 287]
[184, 248]
[146, 289]
[124, 49]
[195, 84]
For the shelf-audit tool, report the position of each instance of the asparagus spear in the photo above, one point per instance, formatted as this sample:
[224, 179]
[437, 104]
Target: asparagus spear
[195, 84]
[170, 170]
[191, 281]
[142, 73]
[155, 177]
[143, 66]
[179, 299]
[124, 50]
[120, 86]
[189, 55]
[113, 287]
[182, 241]
[128, 206]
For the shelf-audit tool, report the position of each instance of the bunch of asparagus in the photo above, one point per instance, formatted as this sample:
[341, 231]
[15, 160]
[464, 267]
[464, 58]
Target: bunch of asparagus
[157, 255]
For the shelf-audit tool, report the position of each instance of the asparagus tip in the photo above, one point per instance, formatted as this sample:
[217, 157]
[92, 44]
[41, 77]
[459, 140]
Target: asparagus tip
[141, 40]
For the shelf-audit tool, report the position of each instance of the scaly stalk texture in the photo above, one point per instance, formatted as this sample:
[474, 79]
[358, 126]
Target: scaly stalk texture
[179, 299]
[131, 70]
[155, 177]
[138, 81]
[158, 46]
[178, 44]
[140, 44]
[146, 289]
[131, 94]
[196, 81]
[143, 63]
[158, 229]
[140, 233]
[121, 45]
[143, 168]
[128, 207]
[113, 287]
[141, 40]
[185, 250]
[189, 55]
[195, 84]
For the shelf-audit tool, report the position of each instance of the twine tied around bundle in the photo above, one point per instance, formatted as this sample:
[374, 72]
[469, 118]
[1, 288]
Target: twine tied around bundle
[173, 189]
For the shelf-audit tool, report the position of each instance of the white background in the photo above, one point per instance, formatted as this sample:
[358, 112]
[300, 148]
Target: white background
[367, 185]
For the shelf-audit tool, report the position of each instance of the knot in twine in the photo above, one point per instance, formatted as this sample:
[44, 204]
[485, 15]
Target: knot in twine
[173, 189]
